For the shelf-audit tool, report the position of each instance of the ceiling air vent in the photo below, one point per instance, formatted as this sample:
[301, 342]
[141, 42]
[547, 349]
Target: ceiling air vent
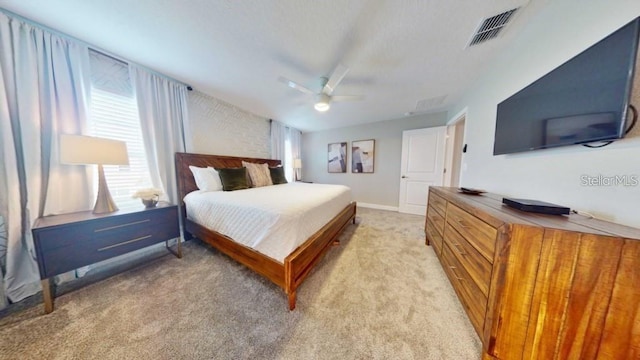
[491, 27]
[426, 104]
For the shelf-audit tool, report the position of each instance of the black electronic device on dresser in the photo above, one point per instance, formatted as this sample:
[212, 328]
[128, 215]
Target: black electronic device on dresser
[536, 206]
[70, 241]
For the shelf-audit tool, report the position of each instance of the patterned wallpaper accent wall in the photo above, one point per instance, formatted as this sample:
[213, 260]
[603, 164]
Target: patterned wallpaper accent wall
[223, 129]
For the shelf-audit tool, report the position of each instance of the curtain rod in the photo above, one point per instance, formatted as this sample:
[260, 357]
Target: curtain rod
[92, 47]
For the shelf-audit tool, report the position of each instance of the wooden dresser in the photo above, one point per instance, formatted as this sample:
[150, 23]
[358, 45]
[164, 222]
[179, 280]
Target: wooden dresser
[539, 286]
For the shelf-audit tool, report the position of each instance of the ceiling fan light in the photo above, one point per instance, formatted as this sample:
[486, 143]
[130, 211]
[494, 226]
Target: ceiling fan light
[322, 103]
[321, 106]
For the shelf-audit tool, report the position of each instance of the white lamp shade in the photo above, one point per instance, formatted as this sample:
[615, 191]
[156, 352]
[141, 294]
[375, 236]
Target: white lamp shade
[81, 149]
[297, 163]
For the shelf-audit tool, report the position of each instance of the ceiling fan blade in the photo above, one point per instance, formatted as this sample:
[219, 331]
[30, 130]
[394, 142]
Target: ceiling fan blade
[347, 98]
[336, 76]
[294, 85]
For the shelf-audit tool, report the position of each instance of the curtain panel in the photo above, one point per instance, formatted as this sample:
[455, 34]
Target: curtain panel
[162, 104]
[43, 93]
[295, 138]
[285, 146]
[278, 136]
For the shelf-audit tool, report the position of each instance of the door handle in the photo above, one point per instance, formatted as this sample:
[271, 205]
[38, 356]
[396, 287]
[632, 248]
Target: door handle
[405, 177]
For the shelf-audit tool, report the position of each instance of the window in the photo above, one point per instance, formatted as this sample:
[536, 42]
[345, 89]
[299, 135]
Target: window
[114, 115]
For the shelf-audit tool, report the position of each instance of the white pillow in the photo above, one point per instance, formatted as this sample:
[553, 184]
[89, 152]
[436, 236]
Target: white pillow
[207, 179]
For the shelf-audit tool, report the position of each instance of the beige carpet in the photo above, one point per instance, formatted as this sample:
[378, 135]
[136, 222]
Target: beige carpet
[381, 294]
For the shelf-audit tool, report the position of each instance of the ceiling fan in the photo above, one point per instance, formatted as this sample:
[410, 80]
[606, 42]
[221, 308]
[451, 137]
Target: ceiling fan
[324, 98]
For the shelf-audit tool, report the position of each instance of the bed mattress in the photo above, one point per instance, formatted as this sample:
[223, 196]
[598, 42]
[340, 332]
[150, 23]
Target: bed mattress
[273, 220]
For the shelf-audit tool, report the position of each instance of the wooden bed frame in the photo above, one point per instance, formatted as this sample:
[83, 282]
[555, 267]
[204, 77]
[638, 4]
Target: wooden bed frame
[297, 265]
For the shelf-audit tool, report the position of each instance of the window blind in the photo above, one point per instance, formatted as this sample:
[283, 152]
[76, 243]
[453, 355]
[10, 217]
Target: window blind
[114, 115]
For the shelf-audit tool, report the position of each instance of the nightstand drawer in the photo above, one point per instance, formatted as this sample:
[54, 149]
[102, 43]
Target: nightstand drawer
[67, 258]
[74, 244]
[101, 230]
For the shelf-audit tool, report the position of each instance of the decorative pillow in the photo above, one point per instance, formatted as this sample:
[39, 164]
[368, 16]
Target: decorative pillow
[259, 174]
[233, 178]
[207, 179]
[277, 175]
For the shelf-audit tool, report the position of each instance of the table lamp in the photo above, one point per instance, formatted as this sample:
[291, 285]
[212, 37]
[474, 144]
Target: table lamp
[86, 150]
[297, 164]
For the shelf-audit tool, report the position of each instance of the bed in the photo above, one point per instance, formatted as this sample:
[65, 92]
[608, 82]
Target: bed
[289, 273]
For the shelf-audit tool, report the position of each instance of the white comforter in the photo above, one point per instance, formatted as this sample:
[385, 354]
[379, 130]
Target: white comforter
[273, 220]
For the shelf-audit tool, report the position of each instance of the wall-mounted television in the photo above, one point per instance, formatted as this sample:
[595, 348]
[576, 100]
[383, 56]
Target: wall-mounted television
[583, 100]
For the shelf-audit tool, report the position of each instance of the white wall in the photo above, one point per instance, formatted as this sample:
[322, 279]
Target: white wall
[222, 129]
[382, 188]
[561, 30]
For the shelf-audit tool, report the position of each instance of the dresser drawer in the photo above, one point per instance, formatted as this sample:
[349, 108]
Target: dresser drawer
[438, 203]
[435, 239]
[436, 219]
[473, 300]
[478, 268]
[478, 233]
[64, 248]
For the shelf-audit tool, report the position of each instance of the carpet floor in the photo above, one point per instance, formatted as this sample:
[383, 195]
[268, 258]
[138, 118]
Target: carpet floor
[380, 294]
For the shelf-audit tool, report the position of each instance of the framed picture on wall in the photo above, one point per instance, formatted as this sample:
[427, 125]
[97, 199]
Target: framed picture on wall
[337, 157]
[362, 156]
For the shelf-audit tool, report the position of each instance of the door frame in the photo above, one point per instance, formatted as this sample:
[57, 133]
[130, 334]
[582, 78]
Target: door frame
[453, 155]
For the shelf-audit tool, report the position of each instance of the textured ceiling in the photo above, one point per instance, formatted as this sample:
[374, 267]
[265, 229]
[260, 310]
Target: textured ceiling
[399, 52]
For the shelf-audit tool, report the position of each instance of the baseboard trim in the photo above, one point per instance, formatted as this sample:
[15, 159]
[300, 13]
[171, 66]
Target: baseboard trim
[379, 207]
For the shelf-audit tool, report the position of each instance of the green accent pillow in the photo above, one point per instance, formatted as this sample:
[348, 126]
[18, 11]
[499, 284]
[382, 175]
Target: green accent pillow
[233, 178]
[277, 175]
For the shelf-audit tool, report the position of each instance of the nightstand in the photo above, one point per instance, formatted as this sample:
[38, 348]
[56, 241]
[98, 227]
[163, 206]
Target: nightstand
[70, 241]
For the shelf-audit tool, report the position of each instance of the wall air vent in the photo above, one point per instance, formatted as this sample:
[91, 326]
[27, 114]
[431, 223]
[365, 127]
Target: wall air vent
[491, 27]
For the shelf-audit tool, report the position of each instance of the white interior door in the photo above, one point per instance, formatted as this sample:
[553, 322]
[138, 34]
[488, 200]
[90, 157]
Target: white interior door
[422, 166]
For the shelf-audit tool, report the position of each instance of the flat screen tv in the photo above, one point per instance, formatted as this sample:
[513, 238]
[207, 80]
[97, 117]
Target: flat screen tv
[583, 100]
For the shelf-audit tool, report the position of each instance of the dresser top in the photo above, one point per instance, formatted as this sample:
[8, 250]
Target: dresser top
[489, 208]
[56, 220]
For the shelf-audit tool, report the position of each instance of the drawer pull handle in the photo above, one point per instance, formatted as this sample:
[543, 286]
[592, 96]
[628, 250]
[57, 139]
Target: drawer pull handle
[463, 224]
[122, 225]
[454, 273]
[458, 249]
[124, 243]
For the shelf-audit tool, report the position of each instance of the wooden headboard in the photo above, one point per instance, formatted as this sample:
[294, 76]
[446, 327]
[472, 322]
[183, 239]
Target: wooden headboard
[186, 182]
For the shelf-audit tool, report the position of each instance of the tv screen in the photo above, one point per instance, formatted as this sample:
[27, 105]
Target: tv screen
[583, 100]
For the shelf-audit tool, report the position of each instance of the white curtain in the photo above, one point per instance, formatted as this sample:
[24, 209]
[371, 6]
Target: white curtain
[278, 135]
[162, 104]
[285, 146]
[43, 93]
[295, 138]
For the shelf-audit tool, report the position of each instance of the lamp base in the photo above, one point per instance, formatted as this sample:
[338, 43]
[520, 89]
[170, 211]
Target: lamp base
[104, 202]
